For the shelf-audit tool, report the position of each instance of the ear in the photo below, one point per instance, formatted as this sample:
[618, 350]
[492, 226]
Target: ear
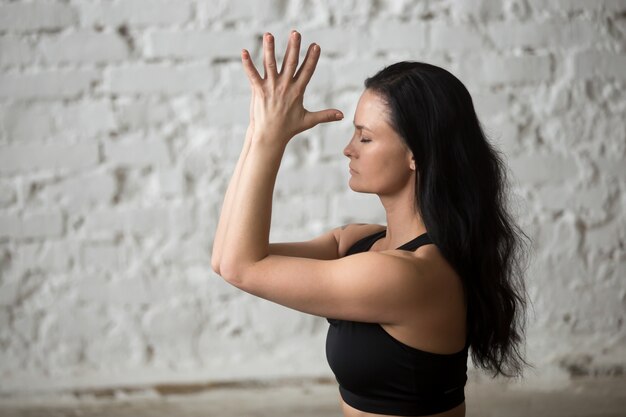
[412, 165]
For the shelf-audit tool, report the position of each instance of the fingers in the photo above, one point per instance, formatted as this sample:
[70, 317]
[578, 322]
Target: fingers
[269, 58]
[312, 119]
[301, 78]
[250, 69]
[290, 62]
[305, 72]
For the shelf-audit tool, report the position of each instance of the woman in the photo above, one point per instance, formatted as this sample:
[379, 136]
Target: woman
[405, 301]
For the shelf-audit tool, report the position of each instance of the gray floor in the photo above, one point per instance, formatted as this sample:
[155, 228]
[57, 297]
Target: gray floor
[604, 397]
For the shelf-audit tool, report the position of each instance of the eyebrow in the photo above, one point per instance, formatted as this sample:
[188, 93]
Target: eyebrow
[362, 127]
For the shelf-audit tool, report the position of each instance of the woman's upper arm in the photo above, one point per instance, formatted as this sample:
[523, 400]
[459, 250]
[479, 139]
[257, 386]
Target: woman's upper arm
[325, 246]
[330, 245]
[369, 287]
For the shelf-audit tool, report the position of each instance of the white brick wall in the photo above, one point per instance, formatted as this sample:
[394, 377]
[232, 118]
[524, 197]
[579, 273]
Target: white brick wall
[121, 122]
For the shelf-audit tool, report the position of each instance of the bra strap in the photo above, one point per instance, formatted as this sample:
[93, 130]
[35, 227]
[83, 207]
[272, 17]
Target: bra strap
[412, 245]
[363, 245]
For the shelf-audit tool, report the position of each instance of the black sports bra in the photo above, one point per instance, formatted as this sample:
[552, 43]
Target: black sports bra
[379, 374]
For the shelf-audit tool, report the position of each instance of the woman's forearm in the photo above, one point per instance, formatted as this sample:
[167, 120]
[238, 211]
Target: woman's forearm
[277, 114]
[247, 240]
[222, 227]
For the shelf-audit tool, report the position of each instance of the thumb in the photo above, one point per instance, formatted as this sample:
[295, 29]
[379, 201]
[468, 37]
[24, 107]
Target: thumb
[323, 116]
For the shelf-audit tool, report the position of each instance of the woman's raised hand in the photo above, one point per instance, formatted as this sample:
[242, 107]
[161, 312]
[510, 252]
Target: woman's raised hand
[277, 112]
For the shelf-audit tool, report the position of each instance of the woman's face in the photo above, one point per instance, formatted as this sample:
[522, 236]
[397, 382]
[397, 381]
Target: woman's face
[380, 161]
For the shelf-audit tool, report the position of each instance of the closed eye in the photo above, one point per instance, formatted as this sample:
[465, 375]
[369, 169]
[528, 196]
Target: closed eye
[365, 140]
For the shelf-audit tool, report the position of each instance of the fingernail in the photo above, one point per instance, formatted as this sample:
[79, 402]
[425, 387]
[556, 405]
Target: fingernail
[338, 116]
[316, 48]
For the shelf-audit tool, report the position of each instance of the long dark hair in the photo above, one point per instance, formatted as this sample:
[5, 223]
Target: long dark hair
[461, 195]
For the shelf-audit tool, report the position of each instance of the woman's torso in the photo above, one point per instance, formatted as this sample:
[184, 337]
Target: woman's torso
[438, 327]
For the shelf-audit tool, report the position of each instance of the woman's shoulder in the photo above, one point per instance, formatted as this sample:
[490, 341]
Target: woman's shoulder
[351, 233]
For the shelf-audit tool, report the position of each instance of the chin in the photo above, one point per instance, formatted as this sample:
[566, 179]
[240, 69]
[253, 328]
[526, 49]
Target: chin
[358, 189]
[352, 186]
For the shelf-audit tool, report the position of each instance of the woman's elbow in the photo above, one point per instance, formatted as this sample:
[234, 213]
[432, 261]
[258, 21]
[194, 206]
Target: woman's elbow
[223, 269]
[215, 266]
[230, 271]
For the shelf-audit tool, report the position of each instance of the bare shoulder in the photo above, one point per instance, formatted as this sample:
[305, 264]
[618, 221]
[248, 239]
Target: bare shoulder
[351, 233]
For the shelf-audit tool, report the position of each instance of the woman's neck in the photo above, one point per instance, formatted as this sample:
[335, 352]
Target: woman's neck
[403, 222]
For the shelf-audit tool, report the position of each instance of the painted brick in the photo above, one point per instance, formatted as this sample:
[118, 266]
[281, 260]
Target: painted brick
[352, 74]
[544, 168]
[482, 10]
[334, 40]
[171, 182]
[83, 190]
[60, 157]
[170, 321]
[197, 44]
[137, 151]
[137, 221]
[135, 12]
[47, 84]
[51, 256]
[8, 194]
[43, 224]
[104, 223]
[492, 69]
[546, 34]
[159, 79]
[312, 180]
[16, 51]
[503, 135]
[32, 122]
[142, 113]
[84, 46]
[228, 112]
[182, 219]
[108, 256]
[10, 225]
[83, 119]
[32, 225]
[353, 207]
[238, 10]
[141, 221]
[567, 6]
[190, 250]
[605, 237]
[296, 212]
[35, 122]
[561, 198]
[36, 16]
[395, 36]
[488, 104]
[599, 64]
[610, 166]
[450, 37]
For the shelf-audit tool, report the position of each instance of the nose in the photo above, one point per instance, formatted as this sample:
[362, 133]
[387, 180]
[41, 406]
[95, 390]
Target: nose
[348, 150]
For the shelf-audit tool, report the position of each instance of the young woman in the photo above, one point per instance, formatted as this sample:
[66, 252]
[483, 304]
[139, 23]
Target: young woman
[405, 301]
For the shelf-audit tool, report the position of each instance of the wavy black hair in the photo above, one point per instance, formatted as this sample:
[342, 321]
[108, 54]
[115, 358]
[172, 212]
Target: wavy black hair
[461, 195]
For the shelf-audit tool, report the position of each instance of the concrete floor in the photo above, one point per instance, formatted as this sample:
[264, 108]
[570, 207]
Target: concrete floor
[598, 397]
